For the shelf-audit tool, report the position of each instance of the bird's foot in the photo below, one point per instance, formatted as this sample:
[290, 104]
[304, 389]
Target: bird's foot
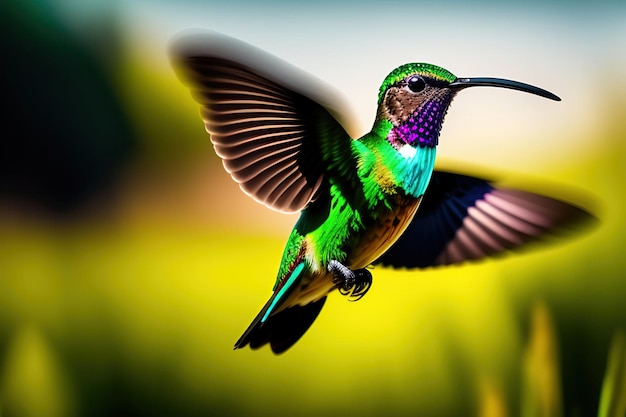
[352, 284]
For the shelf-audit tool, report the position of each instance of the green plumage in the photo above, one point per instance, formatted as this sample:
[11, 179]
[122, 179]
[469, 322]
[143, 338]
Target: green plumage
[402, 72]
[331, 229]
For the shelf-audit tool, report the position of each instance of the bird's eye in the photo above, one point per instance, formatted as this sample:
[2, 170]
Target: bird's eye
[416, 84]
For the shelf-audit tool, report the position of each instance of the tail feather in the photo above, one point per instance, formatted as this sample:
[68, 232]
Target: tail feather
[281, 330]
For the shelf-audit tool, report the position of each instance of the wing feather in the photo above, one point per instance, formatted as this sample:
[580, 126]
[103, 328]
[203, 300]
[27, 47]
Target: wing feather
[274, 140]
[464, 218]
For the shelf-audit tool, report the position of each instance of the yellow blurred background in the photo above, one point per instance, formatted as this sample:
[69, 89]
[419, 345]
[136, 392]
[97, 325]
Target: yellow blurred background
[130, 262]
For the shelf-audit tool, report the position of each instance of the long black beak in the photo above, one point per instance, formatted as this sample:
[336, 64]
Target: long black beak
[499, 82]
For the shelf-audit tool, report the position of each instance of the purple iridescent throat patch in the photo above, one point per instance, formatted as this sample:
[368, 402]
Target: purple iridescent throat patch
[423, 126]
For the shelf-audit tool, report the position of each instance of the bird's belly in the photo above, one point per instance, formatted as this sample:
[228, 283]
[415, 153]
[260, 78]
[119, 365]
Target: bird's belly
[371, 244]
[379, 237]
[314, 287]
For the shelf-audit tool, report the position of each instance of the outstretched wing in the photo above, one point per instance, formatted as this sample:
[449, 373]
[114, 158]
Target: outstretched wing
[275, 141]
[465, 218]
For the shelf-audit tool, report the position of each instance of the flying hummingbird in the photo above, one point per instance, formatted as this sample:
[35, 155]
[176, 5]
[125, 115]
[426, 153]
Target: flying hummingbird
[372, 200]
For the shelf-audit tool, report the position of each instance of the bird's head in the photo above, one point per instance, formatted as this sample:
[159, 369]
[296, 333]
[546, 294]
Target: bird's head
[414, 99]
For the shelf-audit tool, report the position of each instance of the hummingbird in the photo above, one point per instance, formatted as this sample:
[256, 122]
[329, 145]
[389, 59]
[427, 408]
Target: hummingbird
[372, 200]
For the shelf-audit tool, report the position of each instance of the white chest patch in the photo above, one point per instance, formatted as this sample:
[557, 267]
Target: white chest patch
[407, 151]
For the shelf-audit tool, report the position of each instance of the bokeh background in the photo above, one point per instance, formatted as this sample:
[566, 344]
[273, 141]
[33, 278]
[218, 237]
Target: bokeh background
[130, 262]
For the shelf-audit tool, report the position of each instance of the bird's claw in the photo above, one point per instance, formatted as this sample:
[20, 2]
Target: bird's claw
[352, 284]
[356, 288]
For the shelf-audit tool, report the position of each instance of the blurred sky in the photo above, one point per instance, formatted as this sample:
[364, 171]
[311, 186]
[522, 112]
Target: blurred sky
[570, 48]
[129, 303]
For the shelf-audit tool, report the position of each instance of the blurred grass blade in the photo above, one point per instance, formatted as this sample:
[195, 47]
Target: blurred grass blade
[33, 383]
[541, 388]
[491, 400]
[613, 395]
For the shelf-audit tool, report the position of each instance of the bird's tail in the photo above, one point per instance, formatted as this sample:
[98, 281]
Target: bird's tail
[281, 330]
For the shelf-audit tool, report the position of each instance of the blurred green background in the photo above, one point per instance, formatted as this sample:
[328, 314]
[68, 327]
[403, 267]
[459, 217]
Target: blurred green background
[130, 262]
